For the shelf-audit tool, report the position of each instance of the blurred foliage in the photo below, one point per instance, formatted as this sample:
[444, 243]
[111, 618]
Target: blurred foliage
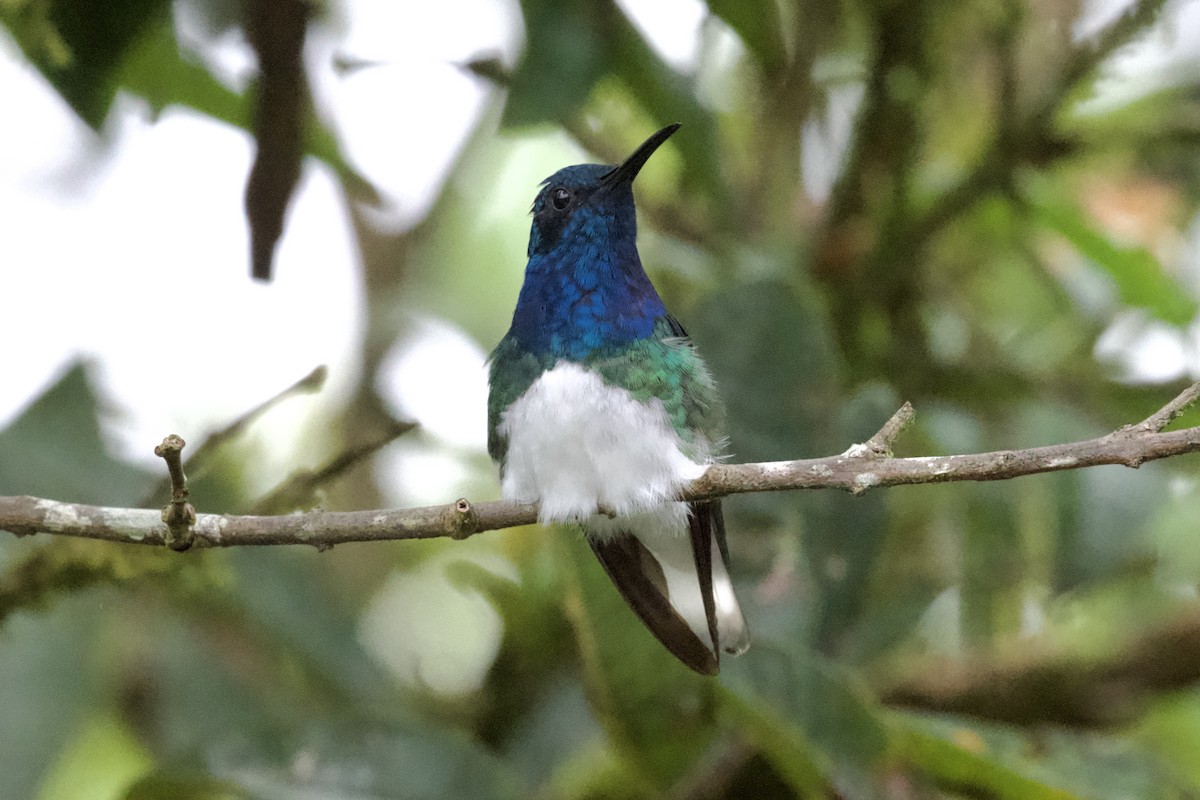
[976, 232]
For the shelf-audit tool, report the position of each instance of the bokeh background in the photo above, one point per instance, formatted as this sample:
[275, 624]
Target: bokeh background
[986, 207]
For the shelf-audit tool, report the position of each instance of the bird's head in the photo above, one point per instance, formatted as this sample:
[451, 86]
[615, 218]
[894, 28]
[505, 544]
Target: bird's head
[590, 201]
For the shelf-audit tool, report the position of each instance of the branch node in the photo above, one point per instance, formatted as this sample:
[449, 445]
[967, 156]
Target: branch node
[464, 523]
[179, 518]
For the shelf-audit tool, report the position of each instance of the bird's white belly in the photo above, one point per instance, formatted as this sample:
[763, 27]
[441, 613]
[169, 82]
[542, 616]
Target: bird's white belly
[581, 447]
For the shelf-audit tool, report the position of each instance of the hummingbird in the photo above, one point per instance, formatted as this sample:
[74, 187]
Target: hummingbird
[601, 410]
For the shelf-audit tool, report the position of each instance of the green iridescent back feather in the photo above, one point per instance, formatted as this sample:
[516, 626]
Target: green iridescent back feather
[664, 366]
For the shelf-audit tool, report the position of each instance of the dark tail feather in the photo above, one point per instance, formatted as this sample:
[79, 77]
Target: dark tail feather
[640, 580]
[700, 530]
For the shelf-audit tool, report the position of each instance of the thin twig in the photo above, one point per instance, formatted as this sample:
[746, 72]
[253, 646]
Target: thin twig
[197, 462]
[298, 489]
[857, 470]
[1088, 56]
[881, 443]
[178, 515]
[1165, 415]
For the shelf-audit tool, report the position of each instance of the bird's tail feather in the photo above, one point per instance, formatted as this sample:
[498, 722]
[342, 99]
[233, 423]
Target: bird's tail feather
[640, 579]
[680, 587]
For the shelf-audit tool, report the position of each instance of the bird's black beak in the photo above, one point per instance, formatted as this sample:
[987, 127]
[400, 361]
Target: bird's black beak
[628, 170]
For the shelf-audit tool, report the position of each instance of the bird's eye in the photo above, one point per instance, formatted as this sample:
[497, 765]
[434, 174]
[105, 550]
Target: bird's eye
[560, 197]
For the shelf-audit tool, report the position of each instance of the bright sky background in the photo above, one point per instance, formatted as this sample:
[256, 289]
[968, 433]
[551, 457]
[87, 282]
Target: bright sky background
[83, 238]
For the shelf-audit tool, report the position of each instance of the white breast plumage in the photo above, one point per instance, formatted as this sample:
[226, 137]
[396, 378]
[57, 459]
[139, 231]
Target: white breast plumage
[581, 447]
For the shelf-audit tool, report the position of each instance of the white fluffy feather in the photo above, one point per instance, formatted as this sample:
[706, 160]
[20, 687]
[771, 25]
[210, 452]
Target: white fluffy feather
[582, 447]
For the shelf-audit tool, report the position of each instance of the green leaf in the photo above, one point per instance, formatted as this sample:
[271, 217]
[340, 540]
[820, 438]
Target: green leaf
[1003, 762]
[1139, 278]
[413, 760]
[829, 721]
[47, 685]
[88, 50]
[284, 594]
[81, 45]
[788, 750]
[556, 725]
[953, 766]
[55, 449]
[845, 535]
[572, 45]
[758, 24]
[658, 714]
[563, 59]
[156, 71]
[101, 761]
[210, 688]
[162, 785]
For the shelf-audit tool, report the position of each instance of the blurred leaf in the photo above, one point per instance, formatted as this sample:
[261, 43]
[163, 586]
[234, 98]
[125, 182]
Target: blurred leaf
[101, 761]
[845, 534]
[787, 749]
[571, 45]
[1140, 279]
[55, 449]
[62, 566]
[1112, 538]
[667, 96]
[537, 714]
[176, 786]
[1171, 730]
[770, 350]
[562, 61]
[1052, 763]
[81, 45]
[993, 562]
[400, 761]
[276, 29]
[831, 720]
[195, 690]
[758, 25]
[658, 713]
[557, 726]
[956, 767]
[47, 686]
[210, 704]
[283, 594]
[157, 72]
[88, 50]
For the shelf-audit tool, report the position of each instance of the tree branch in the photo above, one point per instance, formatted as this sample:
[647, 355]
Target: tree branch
[1061, 688]
[862, 467]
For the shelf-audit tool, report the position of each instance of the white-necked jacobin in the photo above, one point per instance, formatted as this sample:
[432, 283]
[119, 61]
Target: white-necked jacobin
[601, 410]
